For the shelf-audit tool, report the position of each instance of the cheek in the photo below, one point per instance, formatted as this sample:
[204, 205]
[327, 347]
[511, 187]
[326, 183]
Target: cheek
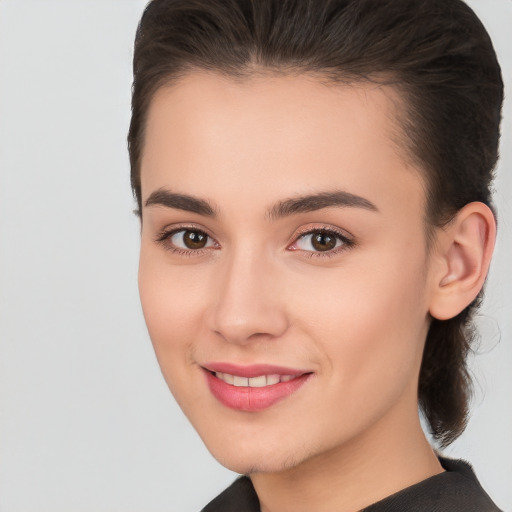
[369, 320]
[171, 303]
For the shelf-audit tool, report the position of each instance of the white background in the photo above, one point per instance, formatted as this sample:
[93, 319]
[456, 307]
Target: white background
[86, 421]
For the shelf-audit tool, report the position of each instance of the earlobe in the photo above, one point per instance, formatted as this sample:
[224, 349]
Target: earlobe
[465, 255]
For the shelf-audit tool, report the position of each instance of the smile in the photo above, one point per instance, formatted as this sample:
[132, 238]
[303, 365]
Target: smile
[253, 382]
[252, 388]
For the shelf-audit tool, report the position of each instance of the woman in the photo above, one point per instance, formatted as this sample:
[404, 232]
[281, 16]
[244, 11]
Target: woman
[313, 180]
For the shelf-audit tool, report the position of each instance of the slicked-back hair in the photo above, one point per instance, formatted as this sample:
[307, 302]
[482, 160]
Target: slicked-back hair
[435, 53]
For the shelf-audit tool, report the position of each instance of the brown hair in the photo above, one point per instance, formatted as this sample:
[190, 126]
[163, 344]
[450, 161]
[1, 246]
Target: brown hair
[435, 52]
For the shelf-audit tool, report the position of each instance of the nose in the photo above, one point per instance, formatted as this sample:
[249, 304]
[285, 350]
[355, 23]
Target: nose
[248, 304]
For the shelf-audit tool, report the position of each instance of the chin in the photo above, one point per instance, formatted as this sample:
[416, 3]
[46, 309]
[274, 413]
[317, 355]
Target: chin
[245, 459]
[259, 464]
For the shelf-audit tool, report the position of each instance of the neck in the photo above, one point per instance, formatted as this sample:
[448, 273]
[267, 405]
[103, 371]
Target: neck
[383, 460]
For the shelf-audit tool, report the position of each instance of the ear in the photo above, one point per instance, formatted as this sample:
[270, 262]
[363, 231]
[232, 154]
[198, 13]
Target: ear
[463, 255]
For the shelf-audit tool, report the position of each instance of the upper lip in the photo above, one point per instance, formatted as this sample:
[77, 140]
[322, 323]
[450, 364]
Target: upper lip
[253, 370]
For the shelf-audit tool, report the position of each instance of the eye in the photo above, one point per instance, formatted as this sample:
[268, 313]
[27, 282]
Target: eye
[186, 240]
[190, 239]
[321, 241]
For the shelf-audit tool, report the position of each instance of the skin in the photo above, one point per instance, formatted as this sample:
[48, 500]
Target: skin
[356, 316]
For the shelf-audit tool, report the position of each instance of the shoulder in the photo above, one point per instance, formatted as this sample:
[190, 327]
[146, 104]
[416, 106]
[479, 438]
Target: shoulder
[455, 490]
[240, 496]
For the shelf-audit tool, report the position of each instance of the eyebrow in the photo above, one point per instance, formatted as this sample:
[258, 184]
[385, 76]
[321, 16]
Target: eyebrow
[313, 202]
[162, 197]
[302, 204]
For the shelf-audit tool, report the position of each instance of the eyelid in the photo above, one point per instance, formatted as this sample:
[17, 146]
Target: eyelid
[346, 237]
[328, 228]
[165, 234]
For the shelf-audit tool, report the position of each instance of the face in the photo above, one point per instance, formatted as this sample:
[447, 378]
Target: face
[283, 265]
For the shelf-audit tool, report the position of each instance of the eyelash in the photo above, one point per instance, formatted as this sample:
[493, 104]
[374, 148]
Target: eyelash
[346, 243]
[165, 236]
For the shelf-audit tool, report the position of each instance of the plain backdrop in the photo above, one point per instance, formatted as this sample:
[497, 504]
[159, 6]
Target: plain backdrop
[86, 420]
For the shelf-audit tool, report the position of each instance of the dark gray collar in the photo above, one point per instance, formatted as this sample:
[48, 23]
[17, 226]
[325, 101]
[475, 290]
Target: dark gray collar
[455, 490]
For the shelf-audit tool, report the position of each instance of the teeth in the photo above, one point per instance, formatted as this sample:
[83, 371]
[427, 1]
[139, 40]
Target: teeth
[240, 381]
[253, 382]
[228, 378]
[258, 382]
[272, 379]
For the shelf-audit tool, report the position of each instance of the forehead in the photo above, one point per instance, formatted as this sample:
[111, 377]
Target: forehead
[270, 133]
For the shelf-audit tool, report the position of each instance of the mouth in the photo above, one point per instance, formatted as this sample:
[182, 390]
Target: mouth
[253, 382]
[252, 388]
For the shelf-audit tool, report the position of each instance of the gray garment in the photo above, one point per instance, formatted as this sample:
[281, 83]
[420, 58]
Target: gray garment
[455, 490]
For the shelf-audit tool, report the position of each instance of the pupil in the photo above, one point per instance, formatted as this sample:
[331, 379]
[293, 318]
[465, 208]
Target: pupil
[323, 242]
[194, 239]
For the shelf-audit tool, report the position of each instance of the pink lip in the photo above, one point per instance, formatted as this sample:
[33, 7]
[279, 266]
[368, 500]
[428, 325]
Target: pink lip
[253, 370]
[245, 398]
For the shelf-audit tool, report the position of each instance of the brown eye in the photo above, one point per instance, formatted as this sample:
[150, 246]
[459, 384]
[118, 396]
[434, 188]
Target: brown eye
[189, 239]
[319, 241]
[323, 241]
[194, 239]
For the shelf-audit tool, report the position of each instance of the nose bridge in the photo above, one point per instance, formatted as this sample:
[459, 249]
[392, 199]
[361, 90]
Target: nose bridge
[247, 305]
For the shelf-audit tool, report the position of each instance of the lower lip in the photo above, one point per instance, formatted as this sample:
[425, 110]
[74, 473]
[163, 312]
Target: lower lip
[245, 398]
